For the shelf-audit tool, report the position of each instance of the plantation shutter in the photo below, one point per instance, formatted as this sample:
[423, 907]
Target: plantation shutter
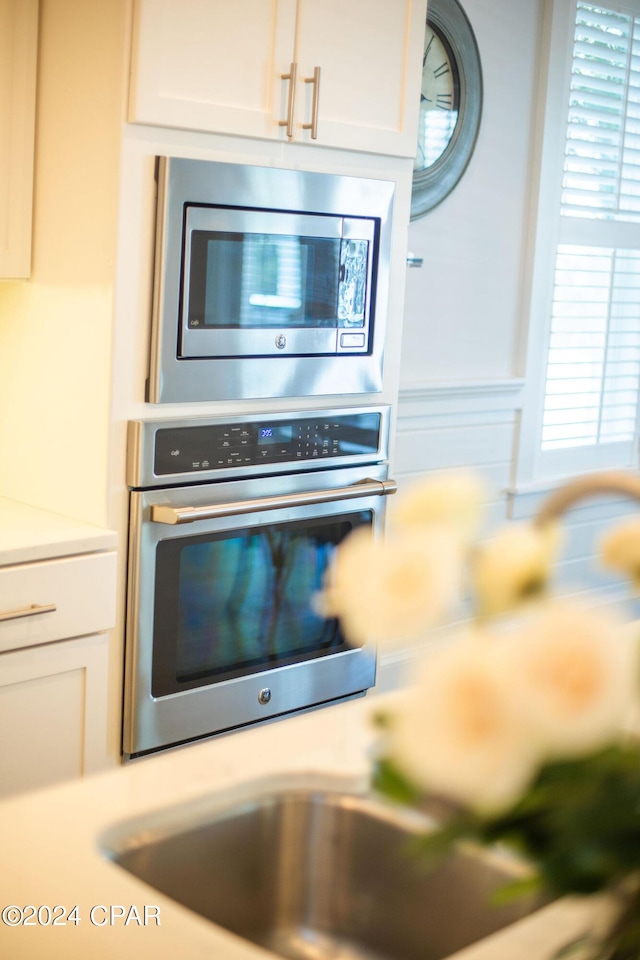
[593, 363]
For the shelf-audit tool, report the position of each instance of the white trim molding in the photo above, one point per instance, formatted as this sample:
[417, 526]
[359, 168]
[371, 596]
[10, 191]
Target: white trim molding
[419, 390]
[501, 393]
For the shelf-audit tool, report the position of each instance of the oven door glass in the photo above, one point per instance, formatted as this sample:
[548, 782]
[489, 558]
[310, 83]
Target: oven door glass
[237, 602]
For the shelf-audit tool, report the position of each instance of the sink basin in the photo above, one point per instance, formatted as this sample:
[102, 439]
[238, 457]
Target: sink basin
[312, 873]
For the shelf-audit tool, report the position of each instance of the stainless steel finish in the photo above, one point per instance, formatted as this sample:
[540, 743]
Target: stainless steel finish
[280, 224]
[313, 489]
[32, 611]
[291, 77]
[141, 438]
[151, 723]
[266, 343]
[352, 339]
[313, 126]
[285, 374]
[223, 342]
[307, 873]
[363, 488]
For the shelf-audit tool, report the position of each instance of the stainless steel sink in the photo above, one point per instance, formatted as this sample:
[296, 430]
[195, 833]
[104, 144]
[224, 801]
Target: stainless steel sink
[312, 874]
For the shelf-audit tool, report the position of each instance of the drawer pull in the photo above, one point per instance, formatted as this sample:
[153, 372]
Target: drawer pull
[31, 611]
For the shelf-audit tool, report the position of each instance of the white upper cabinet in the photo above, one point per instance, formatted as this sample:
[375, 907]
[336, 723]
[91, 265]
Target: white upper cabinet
[18, 53]
[210, 64]
[335, 73]
[369, 53]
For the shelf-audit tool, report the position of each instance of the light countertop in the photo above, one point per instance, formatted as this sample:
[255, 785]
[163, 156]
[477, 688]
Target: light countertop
[50, 846]
[29, 534]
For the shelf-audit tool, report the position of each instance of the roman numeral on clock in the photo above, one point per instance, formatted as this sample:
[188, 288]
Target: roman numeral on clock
[442, 69]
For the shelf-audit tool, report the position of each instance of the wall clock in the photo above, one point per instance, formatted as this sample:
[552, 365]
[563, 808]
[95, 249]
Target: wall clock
[450, 105]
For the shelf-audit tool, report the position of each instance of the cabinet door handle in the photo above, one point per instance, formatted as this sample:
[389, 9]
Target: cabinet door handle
[313, 126]
[31, 611]
[291, 77]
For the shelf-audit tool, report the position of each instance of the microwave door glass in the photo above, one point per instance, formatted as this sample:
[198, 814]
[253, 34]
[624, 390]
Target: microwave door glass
[260, 284]
[249, 280]
[233, 603]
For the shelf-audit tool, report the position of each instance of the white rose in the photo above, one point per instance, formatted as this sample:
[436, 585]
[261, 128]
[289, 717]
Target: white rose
[394, 589]
[513, 566]
[454, 498]
[460, 731]
[575, 672]
[620, 549]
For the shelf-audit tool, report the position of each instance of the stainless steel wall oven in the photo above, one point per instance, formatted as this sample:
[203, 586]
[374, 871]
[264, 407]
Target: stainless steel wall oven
[268, 282]
[233, 523]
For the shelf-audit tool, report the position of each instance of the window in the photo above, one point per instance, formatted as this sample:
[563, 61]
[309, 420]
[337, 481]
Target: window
[591, 364]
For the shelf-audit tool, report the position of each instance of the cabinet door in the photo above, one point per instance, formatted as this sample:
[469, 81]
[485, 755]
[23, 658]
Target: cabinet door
[53, 713]
[212, 65]
[18, 49]
[370, 58]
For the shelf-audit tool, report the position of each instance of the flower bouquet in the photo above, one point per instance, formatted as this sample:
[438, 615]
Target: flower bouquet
[522, 721]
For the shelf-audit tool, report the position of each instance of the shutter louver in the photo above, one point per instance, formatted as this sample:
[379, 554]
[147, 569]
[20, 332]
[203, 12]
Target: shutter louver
[602, 158]
[593, 366]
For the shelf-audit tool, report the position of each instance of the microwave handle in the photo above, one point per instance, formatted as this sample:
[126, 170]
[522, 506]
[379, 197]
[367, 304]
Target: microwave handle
[160, 513]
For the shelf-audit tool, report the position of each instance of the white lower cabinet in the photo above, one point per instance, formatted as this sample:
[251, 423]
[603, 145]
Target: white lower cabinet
[53, 712]
[56, 599]
[55, 615]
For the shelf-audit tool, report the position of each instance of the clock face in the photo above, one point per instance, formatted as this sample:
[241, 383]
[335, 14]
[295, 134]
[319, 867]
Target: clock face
[439, 100]
[450, 105]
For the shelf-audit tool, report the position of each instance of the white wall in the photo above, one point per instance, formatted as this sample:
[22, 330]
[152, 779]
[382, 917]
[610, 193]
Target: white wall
[461, 386]
[56, 328]
[463, 306]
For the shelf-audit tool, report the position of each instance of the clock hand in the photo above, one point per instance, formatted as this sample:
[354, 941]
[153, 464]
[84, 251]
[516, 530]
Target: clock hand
[426, 53]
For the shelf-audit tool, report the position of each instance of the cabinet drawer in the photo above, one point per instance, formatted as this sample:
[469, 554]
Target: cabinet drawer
[77, 594]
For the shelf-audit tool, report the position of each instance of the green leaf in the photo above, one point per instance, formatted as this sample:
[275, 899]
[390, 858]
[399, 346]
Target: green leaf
[522, 887]
[436, 844]
[388, 780]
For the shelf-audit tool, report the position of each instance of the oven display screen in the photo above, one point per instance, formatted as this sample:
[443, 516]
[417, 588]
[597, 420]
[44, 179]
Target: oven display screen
[237, 602]
[279, 433]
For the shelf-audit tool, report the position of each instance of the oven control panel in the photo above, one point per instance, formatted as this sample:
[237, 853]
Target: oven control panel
[245, 444]
[210, 448]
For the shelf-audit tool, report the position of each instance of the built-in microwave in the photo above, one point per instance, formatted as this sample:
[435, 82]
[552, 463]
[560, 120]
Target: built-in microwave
[268, 282]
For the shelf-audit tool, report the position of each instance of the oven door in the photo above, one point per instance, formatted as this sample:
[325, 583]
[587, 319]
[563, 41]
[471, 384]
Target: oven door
[222, 629]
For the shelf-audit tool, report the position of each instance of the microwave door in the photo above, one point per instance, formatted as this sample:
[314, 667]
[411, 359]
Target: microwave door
[258, 283]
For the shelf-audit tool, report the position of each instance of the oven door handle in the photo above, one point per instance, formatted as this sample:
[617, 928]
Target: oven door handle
[160, 513]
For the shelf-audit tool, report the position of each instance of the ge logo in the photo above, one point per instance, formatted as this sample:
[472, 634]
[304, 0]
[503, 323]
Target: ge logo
[281, 341]
[175, 453]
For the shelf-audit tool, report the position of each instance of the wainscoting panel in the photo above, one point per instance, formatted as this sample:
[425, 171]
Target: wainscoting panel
[460, 425]
[474, 425]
